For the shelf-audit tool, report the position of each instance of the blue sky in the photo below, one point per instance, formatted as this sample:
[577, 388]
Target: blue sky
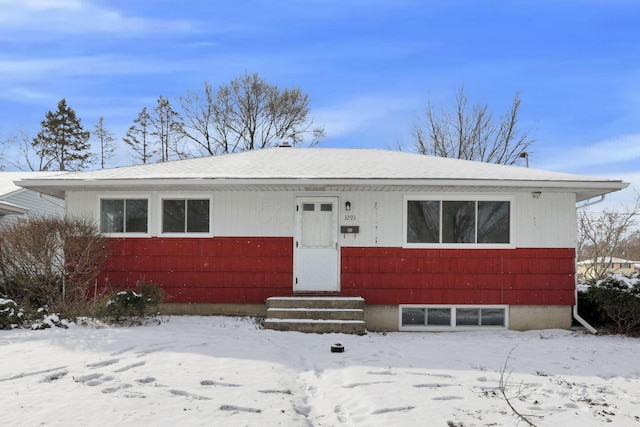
[369, 66]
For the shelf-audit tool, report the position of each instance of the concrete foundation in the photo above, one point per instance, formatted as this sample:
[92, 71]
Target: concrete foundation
[254, 310]
[385, 318]
[527, 317]
[382, 318]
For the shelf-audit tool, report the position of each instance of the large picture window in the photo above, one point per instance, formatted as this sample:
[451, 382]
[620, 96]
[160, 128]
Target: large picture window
[124, 215]
[458, 221]
[185, 215]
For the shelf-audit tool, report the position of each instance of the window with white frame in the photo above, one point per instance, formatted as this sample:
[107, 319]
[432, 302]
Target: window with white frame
[430, 221]
[415, 317]
[124, 215]
[186, 215]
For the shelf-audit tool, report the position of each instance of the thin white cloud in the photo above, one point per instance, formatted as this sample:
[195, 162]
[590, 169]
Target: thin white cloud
[360, 114]
[77, 16]
[615, 150]
[97, 65]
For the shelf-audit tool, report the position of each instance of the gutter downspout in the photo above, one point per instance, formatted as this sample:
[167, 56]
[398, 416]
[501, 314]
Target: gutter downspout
[575, 288]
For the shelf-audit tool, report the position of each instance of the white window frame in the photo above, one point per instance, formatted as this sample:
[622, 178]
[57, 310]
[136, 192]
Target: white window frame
[452, 326]
[123, 196]
[184, 196]
[463, 197]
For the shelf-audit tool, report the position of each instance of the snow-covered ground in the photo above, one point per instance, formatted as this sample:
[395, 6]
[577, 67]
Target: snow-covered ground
[221, 371]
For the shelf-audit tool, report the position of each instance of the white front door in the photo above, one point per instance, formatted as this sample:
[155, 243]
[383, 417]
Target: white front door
[316, 245]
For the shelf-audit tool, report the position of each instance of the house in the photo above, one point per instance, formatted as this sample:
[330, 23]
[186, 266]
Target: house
[588, 270]
[17, 202]
[429, 243]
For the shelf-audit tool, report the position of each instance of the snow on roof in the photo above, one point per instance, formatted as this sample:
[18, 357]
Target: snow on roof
[7, 179]
[325, 164]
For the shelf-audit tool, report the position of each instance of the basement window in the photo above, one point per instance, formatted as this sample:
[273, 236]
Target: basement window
[124, 215]
[439, 317]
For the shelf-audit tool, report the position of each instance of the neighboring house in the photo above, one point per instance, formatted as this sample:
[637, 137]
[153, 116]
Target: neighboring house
[587, 270]
[17, 202]
[430, 243]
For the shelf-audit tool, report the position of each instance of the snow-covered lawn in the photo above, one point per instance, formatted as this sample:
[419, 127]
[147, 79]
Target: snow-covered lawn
[222, 371]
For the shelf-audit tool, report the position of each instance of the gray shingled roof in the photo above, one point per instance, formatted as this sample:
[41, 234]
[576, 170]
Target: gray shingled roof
[323, 166]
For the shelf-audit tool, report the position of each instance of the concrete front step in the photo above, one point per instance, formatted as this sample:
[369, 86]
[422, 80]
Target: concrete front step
[315, 302]
[317, 326]
[316, 314]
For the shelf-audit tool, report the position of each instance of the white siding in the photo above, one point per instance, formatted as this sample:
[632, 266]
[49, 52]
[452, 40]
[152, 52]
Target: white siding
[37, 205]
[547, 221]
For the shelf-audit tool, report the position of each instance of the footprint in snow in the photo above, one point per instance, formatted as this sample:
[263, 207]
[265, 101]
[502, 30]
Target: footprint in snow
[221, 384]
[116, 388]
[187, 394]
[103, 363]
[147, 380]
[387, 410]
[354, 385]
[119, 352]
[381, 373]
[53, 376]
[133, 365]
[239, 409]
[275, 391]
[432, 385]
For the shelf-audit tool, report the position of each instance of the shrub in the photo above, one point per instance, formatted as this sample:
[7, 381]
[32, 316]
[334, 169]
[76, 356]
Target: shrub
[131, 307]
[618, 296]
[11, 315]
[46, 261]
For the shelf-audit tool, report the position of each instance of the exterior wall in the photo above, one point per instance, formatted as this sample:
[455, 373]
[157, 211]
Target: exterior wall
[459, 276]
[527, 317]
[381, 318]
[545, 222]
[249, 256]
[214, 270]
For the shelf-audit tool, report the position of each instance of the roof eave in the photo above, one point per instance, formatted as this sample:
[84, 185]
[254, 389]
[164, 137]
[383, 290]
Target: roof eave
[583, 189]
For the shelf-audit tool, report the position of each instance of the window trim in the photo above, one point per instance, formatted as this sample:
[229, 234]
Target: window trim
[124, 196]
[463, 197]
[453, 326]
[184, 196]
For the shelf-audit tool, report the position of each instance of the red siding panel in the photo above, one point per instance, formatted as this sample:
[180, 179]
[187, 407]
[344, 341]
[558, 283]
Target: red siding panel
[536, 276]
[251, 269]
[220, 269]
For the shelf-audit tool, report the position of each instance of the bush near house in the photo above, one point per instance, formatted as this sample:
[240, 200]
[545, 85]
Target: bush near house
[51, 262]
[132, 307]
[613, 302]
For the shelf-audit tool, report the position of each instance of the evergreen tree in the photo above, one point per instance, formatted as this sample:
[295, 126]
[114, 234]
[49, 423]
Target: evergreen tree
[106, 141]
[62, 143]
[138, 137]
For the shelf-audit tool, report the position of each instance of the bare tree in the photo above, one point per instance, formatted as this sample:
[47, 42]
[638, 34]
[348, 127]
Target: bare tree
[24, 157]
[604, 235]
[138, 137]
[106, 141]
[247, 114]
[473, 133]
[165, 126]
[199, 124]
